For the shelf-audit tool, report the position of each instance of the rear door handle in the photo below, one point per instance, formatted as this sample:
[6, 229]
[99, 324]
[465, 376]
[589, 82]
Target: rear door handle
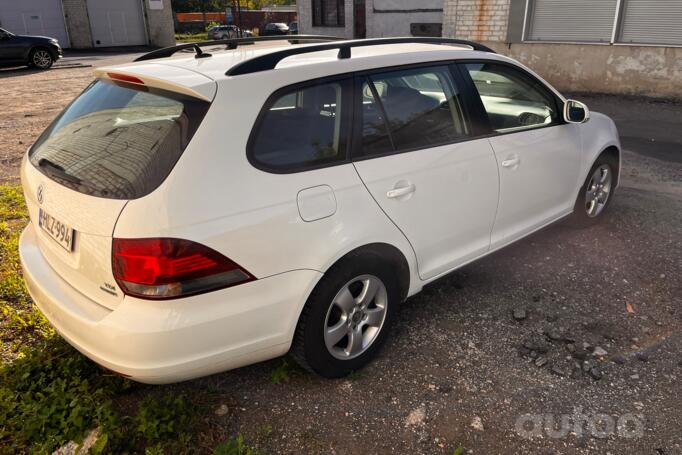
[511, 161]
[402, 191]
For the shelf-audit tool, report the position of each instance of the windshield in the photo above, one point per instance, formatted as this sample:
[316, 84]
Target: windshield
[117, 140]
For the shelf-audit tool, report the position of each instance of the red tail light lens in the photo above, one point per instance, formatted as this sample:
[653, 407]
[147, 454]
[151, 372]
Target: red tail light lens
[170, 268]
[125, 78]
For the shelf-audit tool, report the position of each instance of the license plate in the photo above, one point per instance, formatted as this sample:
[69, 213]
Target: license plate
[57, 230]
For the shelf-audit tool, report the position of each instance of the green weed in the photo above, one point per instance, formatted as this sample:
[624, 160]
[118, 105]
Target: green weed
[235, 446]
[282, 372]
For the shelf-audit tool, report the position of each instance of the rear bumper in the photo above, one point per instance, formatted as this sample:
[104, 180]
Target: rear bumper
[171, 341]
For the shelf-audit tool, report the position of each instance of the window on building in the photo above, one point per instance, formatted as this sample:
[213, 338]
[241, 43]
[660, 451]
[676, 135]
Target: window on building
[571, 20]
[410, 109]
[605, 21]
[651, 22]
[329, 13]
[302, 128]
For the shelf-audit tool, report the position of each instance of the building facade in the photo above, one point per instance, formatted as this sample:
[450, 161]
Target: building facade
[371, 18]
[611, 46]
[92, 23]
[629, 47]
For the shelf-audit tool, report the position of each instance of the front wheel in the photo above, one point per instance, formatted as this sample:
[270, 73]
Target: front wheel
[41, 59]
[347, 317]
[597, 192]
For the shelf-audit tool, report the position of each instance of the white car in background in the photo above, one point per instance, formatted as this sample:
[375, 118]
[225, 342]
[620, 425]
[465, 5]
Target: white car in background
[193, 214]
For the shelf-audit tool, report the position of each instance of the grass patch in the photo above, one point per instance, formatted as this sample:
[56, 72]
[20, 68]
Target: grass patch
[20, 324]
[51, 394]
[190, 37]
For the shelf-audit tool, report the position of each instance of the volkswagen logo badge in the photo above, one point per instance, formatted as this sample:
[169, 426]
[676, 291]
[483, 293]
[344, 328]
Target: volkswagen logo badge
[41, 193]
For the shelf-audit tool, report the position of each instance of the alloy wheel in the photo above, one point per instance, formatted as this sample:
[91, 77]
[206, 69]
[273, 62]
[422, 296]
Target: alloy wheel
[42, 58]
[598, 190]
[355, 317]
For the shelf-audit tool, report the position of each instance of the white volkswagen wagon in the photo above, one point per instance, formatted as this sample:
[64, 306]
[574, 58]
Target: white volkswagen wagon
[196, 213]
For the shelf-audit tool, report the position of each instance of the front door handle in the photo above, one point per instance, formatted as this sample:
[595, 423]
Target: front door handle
[402, 191]
[511, 161]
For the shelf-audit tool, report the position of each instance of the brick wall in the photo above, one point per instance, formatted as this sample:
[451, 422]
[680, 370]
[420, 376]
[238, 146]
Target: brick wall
[77, 23]
[305, 21]
[477, 20]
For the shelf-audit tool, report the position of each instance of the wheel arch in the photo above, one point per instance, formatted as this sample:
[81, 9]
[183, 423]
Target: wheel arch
[599, 136]
[612, 151]
[388, 253]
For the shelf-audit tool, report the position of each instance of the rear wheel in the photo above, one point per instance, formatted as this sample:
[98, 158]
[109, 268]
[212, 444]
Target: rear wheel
[347, 317]
[40, 58]
[596, 193]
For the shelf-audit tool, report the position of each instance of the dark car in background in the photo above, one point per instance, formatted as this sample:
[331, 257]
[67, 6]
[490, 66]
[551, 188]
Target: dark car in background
[293, 28]
[35, 51]
[275, 28]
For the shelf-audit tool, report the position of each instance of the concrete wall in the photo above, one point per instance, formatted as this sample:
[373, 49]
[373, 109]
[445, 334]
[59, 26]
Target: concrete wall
[160, 26]
[77, 23]
[393, 17]
[305, 21]
[619, 69]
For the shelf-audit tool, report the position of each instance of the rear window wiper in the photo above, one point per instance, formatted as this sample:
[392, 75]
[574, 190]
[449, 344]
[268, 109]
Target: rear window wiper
[58, 171]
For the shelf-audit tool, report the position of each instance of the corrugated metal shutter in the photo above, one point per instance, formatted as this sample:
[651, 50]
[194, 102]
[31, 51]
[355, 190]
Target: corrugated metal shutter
[652, 22]
[571, 20]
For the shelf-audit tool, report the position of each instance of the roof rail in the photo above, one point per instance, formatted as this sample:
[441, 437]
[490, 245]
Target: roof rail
[269, 61]
[232, 43]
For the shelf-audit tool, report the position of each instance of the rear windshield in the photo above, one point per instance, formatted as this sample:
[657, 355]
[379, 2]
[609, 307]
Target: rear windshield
[118, 140]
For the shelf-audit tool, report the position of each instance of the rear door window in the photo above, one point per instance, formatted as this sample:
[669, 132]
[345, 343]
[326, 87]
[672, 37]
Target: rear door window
[302, 128]
[410, 109]
[118, 140]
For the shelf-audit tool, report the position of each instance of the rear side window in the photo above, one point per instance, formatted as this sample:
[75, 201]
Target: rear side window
[117, 140]
[410, 109]
[512, 99]
[302, 128]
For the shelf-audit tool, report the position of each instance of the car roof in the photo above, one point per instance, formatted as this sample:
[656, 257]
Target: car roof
[363, 58]
[190, 74]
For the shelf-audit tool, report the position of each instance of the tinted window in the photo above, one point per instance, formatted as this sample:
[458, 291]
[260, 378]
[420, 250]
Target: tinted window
[302, 128]
[118, 141]
[410, 109]
[512, 99]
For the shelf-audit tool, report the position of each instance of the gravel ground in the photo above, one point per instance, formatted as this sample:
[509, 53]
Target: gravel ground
[583, 325]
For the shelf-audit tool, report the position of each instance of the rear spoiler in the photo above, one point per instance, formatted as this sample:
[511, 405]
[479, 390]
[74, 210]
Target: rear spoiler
[140, 78]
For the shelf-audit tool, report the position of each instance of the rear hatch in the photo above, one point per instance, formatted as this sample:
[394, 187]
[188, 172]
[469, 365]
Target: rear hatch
[117, 141]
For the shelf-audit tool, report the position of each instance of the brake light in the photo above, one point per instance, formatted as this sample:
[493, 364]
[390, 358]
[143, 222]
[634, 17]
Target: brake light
[167, 268]
[125, 78]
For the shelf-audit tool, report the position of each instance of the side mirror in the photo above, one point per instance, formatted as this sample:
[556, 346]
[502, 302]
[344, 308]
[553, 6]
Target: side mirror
[576, 112]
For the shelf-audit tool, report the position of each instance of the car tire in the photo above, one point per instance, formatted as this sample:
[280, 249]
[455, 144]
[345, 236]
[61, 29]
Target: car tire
[597, 192]
[348, 316]
[40, 58]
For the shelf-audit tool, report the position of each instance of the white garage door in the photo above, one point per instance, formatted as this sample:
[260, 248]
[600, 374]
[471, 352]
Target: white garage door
[116, 23]
[34, 17]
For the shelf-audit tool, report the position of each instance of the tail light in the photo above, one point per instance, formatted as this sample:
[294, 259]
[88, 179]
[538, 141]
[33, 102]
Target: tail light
[167, 268]
[125, 78]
